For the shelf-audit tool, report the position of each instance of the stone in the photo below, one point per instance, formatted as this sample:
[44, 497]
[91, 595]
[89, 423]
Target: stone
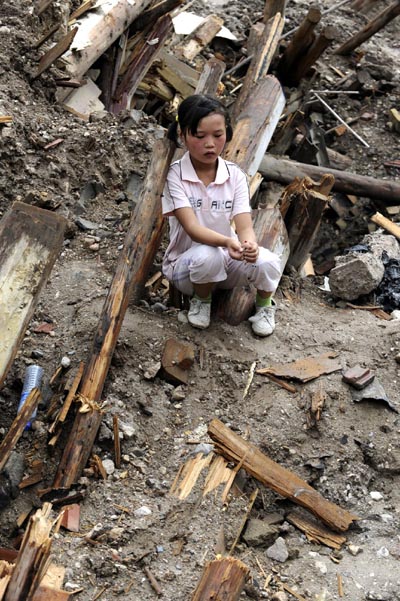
[259, 533]
[109, 466]
[142, 512]
[355, 274]
[278, 551]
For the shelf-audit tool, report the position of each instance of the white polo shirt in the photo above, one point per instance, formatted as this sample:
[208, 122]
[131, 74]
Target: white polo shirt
[215, 205]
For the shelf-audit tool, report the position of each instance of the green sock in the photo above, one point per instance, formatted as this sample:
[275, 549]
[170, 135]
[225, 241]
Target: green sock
[206, 299]
[263, 302]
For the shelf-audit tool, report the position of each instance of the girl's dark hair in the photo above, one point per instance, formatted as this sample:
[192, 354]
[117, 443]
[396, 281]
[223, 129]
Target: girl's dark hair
[192, 110]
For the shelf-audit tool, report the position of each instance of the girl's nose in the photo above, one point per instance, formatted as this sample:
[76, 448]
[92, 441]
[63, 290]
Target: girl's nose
[209, 143]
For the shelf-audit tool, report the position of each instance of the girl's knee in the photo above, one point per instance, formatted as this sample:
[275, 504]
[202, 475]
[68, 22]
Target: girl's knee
[208, 260]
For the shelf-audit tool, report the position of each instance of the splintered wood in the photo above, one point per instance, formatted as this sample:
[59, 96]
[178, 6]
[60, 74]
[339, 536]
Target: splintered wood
[234, 448]
[316, 532]
[189, 473]
[223, 578]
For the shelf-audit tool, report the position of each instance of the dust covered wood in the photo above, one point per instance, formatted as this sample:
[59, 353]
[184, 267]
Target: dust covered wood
[234, 448]
[30, 242]
[141, 243]
[223, 578]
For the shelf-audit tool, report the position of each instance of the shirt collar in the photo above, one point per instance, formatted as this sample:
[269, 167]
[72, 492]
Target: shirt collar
[188, 172]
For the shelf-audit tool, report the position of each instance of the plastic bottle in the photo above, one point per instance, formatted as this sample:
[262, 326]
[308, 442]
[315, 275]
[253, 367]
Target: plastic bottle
[33, 378]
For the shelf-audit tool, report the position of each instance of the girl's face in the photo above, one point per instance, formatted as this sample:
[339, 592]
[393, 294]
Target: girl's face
[208, 142]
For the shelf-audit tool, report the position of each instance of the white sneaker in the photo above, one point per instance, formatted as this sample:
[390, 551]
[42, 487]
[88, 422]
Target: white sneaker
[199, 313]
[263, 322]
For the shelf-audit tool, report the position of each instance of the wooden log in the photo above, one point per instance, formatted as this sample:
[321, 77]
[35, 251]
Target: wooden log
[301, 41]
[141, 244]
[304, 205]
[284, 171]
[30, 241]
[384, 17]
[234, 448]
[199, 38]
[144, 58]
[320, 44]
[97, 31]
[223, 578]
[237, 305]
[256, 124]
[33, 557]
[18, 426]
[266, 46]
[273, 7]
[387, 224]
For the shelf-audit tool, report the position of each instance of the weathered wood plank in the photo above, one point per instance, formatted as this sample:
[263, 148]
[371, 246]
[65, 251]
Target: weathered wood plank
[30, 241]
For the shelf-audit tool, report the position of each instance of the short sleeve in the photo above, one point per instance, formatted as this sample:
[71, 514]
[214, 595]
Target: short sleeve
[174, 195]
[241, 193]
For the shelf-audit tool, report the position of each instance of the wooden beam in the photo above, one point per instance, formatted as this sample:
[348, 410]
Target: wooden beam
[285, 170]
[387, 224]
[30, 241]
[55, 52]
[144, 58]
[97, 31]
[194, 43]
[266, 46]
[272, 7]
[384, 17]
[303, 205]
[141, 244]
[301, 41]
[320, 44]
[234, 448]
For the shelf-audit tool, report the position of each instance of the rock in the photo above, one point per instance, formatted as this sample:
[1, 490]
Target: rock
[354, 549]
[65, 362]
[178, 394]
[279, 596]
[127, 429]
[86, 225]
[142, 512]
[355, 274]
[14, 471]
[109, 466]
[278, 551]
[375, 495]
[379, 596]
[259, 533]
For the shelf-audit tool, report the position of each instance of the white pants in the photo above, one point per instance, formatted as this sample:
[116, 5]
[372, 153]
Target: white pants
[202, 264]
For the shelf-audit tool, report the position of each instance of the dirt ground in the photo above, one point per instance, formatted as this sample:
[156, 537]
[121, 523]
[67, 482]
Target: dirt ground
[351, 456]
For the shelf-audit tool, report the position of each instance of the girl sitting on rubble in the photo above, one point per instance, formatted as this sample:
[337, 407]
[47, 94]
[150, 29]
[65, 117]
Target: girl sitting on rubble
[202, 196]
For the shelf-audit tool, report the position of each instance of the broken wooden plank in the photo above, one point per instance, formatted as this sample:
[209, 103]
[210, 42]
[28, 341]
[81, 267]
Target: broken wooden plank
[272, 7]
[223, 578]
[55, 52]
[306, 369]
[302, 208]
[285, 170]
[145, 55]
[18, 426]
[256, 124]
[210, 78]
[97, 31]
[200, 37]
[188, 475]
[81, 10]
[234, 448]
[30, 241]
[384, 17]
[316, 532]
[140, 245]
[317, 48]
[386, 224]
[176, 73]
[266, 47]
[299, 44]
[33, 557]
[152, 14]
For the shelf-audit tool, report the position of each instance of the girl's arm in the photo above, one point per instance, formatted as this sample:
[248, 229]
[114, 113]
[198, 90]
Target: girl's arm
[245, 231]
[204, 235]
